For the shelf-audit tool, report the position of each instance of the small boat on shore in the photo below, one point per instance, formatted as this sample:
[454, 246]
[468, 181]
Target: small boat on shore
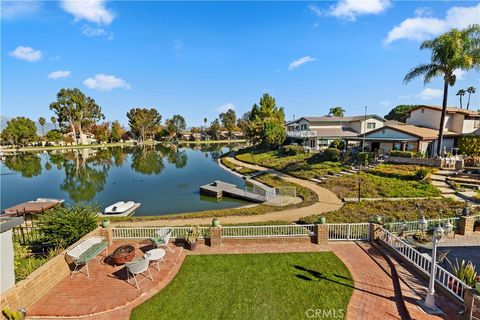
[121, 209]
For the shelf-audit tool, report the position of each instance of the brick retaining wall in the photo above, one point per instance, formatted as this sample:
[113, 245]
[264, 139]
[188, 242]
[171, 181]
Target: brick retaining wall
[28, 291]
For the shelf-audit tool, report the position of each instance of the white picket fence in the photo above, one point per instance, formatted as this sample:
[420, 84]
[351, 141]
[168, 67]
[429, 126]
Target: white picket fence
[408, 226]
[291, 230]
[424, 263]
[147, 232]
[348, 231]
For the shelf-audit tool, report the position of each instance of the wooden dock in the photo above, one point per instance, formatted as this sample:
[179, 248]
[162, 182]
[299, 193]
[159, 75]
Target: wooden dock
[219, 189]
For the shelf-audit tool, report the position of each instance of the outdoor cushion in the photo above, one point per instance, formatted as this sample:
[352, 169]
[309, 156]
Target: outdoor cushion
[91, 252]
[158, 241]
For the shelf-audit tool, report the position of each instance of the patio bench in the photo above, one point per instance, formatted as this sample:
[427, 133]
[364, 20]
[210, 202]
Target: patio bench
[85, 251]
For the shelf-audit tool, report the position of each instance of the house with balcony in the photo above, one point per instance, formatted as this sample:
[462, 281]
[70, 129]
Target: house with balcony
[420, 132]
[458, 122]
[317, 133]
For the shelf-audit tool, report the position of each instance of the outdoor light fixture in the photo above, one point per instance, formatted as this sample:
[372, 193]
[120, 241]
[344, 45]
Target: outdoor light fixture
[438, 234]
[423, 224]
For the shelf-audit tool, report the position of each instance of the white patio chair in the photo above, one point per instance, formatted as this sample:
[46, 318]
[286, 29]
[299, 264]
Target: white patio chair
[162, 239]
[138, 267]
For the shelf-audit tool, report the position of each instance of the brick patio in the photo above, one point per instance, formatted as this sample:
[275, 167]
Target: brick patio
[106, 295]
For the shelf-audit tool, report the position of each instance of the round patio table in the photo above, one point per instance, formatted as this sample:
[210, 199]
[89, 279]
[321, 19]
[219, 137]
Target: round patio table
[155, 255]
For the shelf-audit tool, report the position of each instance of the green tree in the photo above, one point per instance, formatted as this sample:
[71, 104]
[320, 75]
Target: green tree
[54, 136]
[400, 112]
[205, 123]
[100, 131]
[64, 225]
[42, 122]
[74, 109]
[116, 131]
[19, 131]
[144, 122]
[266, 124]
[242, 122]
[147, 161]
[175, 125]
[461, 93]
[54, 121]
[336, 112]
[451, 51]
[470, 90]
[215, 129]
[28, 164]
[229, 121]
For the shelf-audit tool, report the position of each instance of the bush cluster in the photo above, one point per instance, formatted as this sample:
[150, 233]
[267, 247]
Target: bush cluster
[402, 154]
[330, 154]
[292, 150]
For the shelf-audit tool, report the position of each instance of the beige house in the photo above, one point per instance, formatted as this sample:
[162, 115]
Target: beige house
[457, 122]
[318, 132]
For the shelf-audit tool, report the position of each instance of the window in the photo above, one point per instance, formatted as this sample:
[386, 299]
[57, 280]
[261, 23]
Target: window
[397, 146]
[370, 125]
[422, 111]
[476, 124]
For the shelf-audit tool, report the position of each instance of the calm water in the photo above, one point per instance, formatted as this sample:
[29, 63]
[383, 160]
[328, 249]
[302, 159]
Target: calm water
[165, 179]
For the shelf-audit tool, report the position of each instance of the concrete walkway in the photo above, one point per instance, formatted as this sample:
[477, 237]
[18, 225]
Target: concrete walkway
[328, 201]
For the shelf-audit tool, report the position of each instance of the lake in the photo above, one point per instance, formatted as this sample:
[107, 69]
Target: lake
[163, 178]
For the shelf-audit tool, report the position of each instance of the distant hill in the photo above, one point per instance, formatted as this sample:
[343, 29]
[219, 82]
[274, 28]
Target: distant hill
[47, 127]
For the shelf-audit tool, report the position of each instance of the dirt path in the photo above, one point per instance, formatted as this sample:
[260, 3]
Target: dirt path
[328, 201]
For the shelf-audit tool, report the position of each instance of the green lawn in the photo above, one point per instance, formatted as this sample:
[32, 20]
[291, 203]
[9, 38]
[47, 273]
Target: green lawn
[373, 186]
[252, 286]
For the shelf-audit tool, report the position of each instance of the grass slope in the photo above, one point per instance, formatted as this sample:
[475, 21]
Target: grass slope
[252, 286]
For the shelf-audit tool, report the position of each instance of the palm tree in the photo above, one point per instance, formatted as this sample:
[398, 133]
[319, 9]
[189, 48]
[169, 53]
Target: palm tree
[461, 93]
[205, 127]
[42, 122]
[336, 112]
[54, 121]
[470, 90]
[454, 50]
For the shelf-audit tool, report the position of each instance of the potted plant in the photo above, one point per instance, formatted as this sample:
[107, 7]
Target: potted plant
[322, 220]
[464, 271]
[215, 222]
[105, 223]
[477, 283]
[192, 237]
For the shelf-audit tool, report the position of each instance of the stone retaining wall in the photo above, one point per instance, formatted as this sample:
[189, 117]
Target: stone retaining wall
[28, 291]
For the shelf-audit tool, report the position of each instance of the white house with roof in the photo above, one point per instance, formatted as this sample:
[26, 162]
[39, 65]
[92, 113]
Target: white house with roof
[318, 132]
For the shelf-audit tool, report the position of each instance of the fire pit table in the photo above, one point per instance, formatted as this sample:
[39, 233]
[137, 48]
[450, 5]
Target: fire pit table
[123, 254]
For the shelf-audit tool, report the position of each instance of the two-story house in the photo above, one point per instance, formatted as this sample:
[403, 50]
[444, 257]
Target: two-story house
[318, 132]
[420, 132]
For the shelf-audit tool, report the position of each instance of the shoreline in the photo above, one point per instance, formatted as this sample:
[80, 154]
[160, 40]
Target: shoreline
[115, 144]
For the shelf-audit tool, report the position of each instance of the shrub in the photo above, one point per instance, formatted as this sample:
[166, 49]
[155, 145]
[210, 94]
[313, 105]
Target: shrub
[422, 173]
[292, 150]
[363, 158]
[64, 225]
[402, 154]
[469, 145]
[464, 271]
[337, 144]
[472, 161]
[330, 154]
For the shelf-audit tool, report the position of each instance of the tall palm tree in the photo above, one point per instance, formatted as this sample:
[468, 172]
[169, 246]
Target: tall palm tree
[42, 122]
[336, 112]
[54, 121]
[470, 90]
[461, 93]
[454, 50]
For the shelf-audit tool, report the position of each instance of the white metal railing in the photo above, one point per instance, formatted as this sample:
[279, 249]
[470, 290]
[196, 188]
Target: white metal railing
[147, 232]
[424, 263]
[407, 226]
[301, 134]
[348, 231]
[290, 230]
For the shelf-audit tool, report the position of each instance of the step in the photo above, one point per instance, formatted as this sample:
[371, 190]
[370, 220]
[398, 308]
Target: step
[446, 191]
[440, 184]
[454, 197]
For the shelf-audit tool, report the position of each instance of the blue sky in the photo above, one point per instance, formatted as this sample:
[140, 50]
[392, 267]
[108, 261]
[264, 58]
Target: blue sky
[199, 58]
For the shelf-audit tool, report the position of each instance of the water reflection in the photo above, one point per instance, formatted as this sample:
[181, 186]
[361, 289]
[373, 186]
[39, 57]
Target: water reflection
[83, 174]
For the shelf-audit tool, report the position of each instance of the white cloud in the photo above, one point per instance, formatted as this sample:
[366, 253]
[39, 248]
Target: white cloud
[89, 10]
[405, 97]
[225, 107]
[26, 53]
[17, 9]
[429, 94]
[96, 32]
[423, 12]
[59, 74]
[460, 74]
[105, 82]
[423, 27]
[351, 9]
[297, 63]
